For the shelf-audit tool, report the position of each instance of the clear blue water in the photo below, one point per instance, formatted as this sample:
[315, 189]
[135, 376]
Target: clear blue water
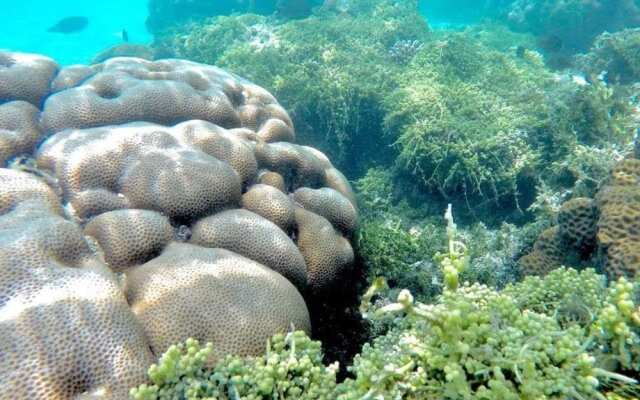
[24, 25]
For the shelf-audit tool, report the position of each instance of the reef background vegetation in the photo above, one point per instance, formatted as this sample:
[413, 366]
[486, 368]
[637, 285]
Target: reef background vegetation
[506, 118]
[418, 118]
[473, 342]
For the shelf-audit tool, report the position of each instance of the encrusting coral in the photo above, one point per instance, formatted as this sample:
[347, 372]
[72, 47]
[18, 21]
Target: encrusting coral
[153, 162]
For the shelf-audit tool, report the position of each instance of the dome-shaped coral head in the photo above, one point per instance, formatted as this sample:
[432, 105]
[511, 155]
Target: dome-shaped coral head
[164, 190]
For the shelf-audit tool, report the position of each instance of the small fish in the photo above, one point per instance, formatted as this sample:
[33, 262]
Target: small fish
[70, 25]
[125, 36]
[580, 80]
[521, 51]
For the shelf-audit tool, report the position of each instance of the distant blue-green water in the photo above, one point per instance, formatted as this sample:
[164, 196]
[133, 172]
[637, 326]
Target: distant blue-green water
[24, 24]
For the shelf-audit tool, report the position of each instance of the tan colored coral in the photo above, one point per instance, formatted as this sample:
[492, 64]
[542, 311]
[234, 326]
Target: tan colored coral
[328, 255]
[181, 184]
[139, 165]
[290, 160]
[252, 116]
[623, 258]
[134, 148]
[19, 129]
[130, 237]
[550, 242]
[616, 194]
[577, 221]
[213, 295]
[337, 181]
[72, 76]
[626, 173]
[270, 203]
[65, 327]
[330, 204]
[91, 202]
[16, 187]
[25, 77]
[538, 263]
[272, 179]
[167, 92]
[68, 334]
[619, 222]
[254, 237]
[223, 144]
[276, 130]
[548, 254]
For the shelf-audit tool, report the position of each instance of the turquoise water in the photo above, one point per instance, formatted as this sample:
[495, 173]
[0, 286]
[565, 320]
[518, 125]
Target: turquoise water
[24, 26]
[25, 23]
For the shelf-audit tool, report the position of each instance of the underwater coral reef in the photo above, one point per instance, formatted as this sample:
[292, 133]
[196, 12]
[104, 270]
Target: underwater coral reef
[251, 206]
[127, 230]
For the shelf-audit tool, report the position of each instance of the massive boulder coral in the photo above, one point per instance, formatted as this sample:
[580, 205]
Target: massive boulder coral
[121, 163]
[65, 326]
[140, 165]
[25, 77]
[25, 81]
[212, 294]
[252, 236]
[19, 129]
[130, 237]
[547, 254]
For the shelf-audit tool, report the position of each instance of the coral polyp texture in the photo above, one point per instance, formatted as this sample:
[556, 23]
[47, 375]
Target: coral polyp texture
[619, 223]
[65, 325]
[609, 223]
[144, 203]
[212, 294]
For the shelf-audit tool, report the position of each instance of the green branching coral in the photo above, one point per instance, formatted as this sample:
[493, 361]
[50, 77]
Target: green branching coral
[473, 120]
[550, 337]
[474, 123]
[375, 191]
[582, 171]
[600, 114]
[180, 373]
[569, 295]
[617, 326]
[474, 344]
[397, 245]
[208, 41]
[610, 315]
[572, 23]
[292, 368]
